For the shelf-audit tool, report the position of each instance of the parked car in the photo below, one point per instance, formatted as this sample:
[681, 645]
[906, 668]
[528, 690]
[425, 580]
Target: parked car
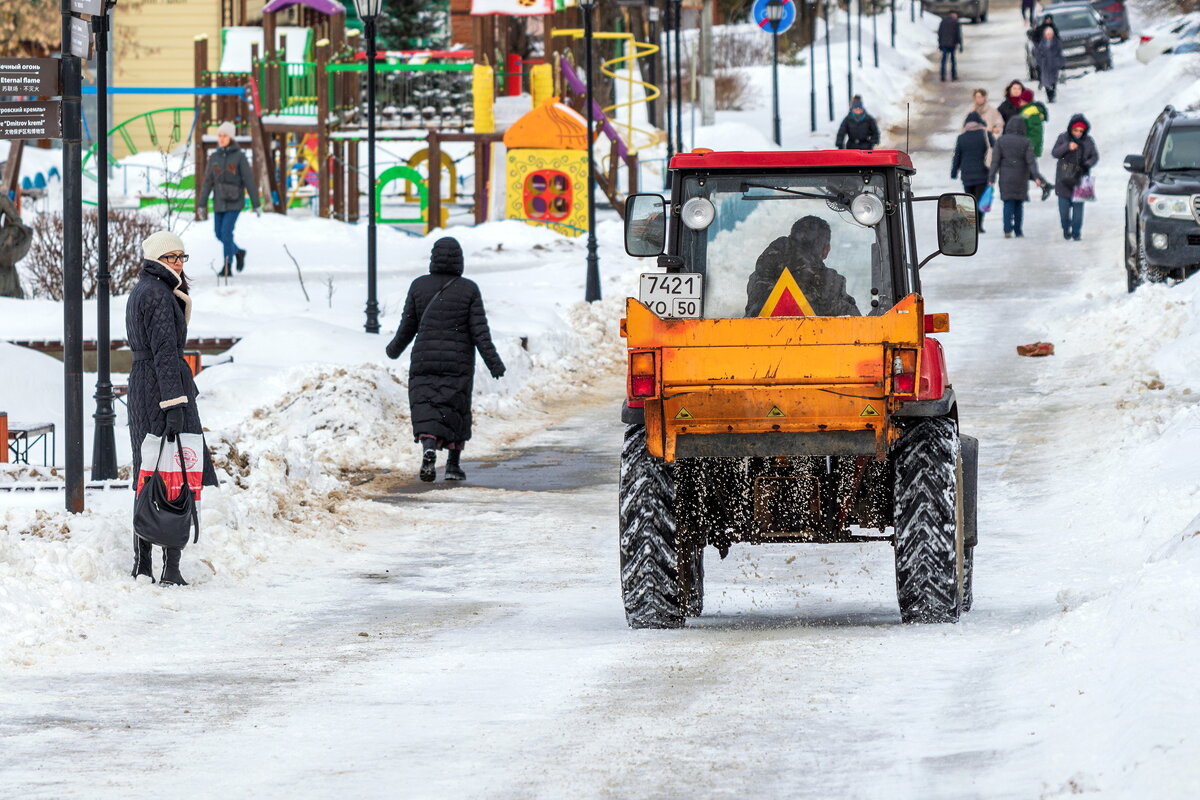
[1180, 35]
[974, 10]
[1112, 12]
[1084, 40]
[1162, 201]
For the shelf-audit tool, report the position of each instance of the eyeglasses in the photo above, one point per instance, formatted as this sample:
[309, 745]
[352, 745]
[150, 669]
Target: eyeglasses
[172, 257]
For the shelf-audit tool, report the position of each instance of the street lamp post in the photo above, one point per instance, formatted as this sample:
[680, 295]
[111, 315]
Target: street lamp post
[812, 65]
[368, 12]
[875, 33]
[104, 447]
[828, 62]
[591, 292]
[774, 13]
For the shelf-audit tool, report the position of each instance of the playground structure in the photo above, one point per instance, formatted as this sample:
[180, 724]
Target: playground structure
[297, 94]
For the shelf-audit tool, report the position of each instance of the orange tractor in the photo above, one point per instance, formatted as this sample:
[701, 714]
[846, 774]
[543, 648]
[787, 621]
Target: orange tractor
[782, 384]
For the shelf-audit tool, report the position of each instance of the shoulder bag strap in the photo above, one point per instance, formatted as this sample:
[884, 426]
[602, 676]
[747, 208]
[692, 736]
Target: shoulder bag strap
[425, 313]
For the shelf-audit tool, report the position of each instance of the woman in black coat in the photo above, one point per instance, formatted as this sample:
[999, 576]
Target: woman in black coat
[970, 158]
[1013, 100]
[444, 313]
[1013, 161]
[1077, 154]
[162, 394]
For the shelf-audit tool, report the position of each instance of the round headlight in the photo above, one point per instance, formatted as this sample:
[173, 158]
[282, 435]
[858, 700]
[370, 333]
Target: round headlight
[867, 209]
[698, 213]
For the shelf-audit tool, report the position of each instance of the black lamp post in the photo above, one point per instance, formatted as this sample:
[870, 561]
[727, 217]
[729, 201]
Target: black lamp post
[591, 292]
[368, 12]
[812, 65]
[774, 13]
[828, 62]
[104, 447]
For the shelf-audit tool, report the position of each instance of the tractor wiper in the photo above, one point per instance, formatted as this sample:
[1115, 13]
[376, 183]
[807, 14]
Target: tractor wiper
[794, 192]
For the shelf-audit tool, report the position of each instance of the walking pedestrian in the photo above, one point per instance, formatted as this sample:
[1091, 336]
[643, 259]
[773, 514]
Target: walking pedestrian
[162, 393]
[1077, 154]
[970, 158]
[228, 178]
[444, 314]
[1013, 162]
[949, 40]
[1035, 115]
[1048, 55]
[858, 130]
[1027, 7]
[1014, 98]
[990, 116]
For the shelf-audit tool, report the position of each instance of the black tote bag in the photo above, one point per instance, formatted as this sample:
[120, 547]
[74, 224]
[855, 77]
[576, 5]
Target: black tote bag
[160, 521]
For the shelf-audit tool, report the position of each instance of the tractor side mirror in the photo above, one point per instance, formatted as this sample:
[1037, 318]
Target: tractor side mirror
[645, 225]
[1135, 163]
[957, 225]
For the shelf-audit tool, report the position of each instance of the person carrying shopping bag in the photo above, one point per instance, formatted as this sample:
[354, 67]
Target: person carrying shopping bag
[1077, 154]
[970, 159]
[1015, 166]
[162, 394]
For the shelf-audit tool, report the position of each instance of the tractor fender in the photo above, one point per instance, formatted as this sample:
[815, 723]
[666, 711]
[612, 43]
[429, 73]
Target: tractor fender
[632, 416]
[935, 395]
[970, 463]
[944, 406]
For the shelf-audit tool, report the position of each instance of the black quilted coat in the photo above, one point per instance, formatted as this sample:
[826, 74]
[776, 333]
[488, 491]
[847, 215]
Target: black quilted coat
[156, 321]
[444, 313]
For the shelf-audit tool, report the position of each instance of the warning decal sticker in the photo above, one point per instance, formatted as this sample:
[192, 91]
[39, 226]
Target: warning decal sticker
[786, 299]
[684, 414]
[869, 411]
[775, 412]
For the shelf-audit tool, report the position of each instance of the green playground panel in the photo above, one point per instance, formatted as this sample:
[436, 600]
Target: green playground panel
[392, 175]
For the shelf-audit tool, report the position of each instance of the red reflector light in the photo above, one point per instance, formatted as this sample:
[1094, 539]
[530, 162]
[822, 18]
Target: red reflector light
[905, 383]
[642, 386]
[1113, 9]
[1146, 39]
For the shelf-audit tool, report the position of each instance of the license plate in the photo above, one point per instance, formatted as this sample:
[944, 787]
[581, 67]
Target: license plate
[679, 294]
[1074, 51]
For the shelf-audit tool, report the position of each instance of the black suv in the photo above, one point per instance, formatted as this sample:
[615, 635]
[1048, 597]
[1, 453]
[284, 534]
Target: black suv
[1084, 40]
[1162, 202]
[1114, 15]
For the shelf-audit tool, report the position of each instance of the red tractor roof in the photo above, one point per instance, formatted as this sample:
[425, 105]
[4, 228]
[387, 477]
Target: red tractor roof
[737, 159]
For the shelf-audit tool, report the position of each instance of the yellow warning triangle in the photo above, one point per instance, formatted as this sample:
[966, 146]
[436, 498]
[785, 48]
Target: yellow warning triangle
[869, 411]
[775, 412]
[684, 414]
[786, 299]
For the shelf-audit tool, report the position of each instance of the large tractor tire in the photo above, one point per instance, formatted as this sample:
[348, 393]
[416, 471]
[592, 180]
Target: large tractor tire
[931, 558]
[650, 584]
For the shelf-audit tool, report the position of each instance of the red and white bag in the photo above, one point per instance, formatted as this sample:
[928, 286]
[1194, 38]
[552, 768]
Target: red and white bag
[170, 468]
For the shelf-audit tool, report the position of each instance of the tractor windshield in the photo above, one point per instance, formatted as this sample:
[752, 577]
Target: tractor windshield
[794, 245]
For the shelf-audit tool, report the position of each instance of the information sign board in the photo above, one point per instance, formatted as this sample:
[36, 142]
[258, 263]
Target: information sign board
[32, 120]
[29, 77]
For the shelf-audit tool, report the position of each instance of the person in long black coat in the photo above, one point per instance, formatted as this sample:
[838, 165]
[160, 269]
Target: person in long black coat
[162, 393]
[1048, 55]
[1015, 165]
[444, 314]
[858, 130]
[1077, 154]
[950, 39]
[970, 158]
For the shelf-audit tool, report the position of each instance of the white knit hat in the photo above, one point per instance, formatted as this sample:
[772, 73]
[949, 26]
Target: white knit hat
[161, 242]
[227, 129]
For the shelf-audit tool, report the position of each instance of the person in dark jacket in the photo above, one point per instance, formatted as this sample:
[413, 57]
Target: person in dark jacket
[970, 158]
[1048, 55]
[803, 251]
[1036, 33]
[1027, 11]
[1077, 154]
[228, 178]
[444, 314]
[162, 394]
[858, 130]
[949, 40]
[1013, 161]
[1014, 98]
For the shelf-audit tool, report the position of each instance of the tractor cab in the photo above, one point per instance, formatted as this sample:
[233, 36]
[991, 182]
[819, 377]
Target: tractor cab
[782, 384]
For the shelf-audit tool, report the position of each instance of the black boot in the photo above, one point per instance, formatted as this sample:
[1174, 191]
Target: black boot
[142, 561]
[170, 572]
[241, 260]
[428, 461]
[226, 271]
[453, 470]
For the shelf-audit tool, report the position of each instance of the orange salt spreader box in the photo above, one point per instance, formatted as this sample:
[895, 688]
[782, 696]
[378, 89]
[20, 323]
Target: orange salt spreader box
[783, 385]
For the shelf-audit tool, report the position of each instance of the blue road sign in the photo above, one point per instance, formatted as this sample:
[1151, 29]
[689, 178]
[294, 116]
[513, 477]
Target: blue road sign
[760, 16]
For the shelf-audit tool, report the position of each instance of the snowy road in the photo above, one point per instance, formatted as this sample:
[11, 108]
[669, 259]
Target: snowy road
[469, 642]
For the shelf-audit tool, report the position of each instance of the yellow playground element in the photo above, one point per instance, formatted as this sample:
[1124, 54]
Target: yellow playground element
[483, 93]
[541, 83]
[636, 138]
[546, 168]
[420, 157]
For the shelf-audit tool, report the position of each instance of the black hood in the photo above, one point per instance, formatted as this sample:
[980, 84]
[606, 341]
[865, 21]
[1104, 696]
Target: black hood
[447, 257]
[1016, 126]
[1079, 118]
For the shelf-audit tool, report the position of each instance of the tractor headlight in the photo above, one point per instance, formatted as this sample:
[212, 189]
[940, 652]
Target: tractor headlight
[698, 213]
[1173, 206]
[867, 209]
